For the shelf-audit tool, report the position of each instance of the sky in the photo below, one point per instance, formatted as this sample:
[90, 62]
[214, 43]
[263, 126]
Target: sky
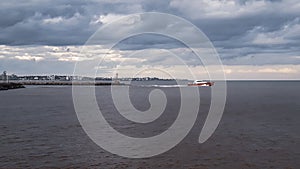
[254, 39]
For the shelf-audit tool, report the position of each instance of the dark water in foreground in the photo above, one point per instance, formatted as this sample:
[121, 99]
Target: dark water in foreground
[259, 129]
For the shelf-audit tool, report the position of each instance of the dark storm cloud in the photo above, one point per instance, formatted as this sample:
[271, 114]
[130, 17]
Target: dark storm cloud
[22, 22]
[148, 40]
[29, 22]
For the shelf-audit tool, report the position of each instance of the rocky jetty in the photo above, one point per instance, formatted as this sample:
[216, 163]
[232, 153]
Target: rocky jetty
[7, 86]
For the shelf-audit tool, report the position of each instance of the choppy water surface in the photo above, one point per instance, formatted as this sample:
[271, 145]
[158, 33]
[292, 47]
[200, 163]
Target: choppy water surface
[259, 129]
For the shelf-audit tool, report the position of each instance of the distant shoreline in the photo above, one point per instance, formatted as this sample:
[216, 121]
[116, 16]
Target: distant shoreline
[60, 83]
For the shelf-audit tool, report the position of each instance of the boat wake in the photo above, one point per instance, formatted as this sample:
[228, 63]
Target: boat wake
[162, 86]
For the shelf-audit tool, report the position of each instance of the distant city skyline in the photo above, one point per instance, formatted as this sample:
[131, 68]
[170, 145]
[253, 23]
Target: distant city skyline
[5, 76]
[255, 39]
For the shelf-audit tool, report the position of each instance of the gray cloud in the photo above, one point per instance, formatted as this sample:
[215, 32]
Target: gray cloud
[54, 22]
[19, 18]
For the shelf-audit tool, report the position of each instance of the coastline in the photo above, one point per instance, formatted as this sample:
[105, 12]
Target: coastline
[61, 83]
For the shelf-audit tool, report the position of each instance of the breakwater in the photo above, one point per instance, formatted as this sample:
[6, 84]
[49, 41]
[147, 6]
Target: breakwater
[6, 86]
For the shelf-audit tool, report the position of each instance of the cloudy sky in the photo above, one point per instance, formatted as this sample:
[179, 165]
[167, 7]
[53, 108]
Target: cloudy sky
[254, 39]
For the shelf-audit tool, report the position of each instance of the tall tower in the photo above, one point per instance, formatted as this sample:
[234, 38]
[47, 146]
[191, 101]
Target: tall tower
[116, 81]
[4, 76]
